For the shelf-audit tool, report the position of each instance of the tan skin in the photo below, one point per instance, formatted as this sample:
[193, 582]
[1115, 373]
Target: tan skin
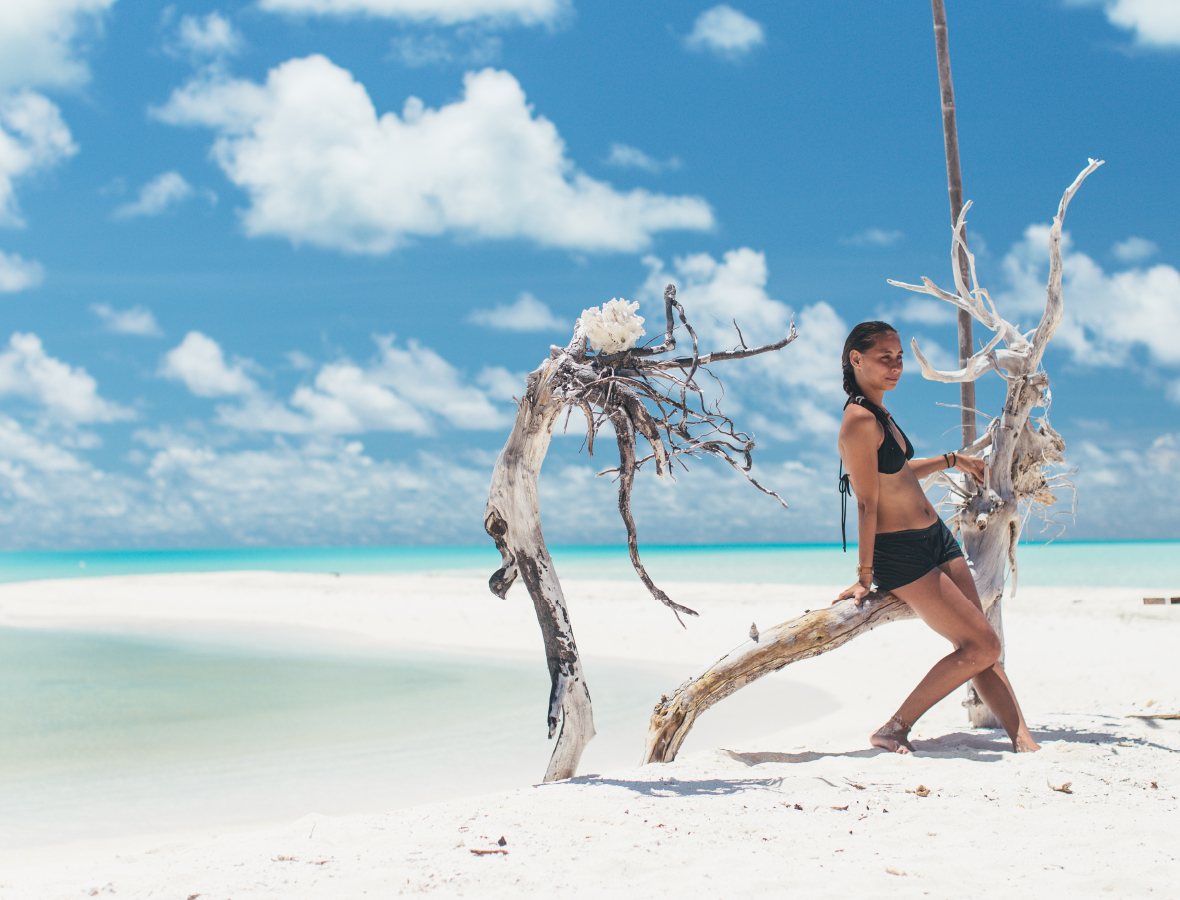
[944, 598]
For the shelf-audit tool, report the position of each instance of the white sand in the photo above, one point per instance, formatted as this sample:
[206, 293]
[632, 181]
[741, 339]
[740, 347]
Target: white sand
[762, 817]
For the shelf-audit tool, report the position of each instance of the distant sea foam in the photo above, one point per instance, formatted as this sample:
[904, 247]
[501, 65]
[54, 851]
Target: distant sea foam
[1065, 564]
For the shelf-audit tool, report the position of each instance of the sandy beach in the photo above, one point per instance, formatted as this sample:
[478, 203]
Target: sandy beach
[768, 799]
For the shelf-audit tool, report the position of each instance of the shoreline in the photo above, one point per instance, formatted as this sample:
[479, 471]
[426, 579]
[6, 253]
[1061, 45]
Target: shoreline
[1081, 660]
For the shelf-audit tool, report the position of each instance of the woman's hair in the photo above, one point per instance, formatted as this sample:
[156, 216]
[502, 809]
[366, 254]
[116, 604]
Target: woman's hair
[860, 339]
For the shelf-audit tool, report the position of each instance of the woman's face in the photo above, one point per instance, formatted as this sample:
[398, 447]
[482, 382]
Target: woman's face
[879, 367]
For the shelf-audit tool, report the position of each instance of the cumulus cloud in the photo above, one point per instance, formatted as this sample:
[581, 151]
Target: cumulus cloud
[726, 32]
[199, 362]
[208, 37]
[626, 157]
[137, 320]
[1106, 314]
[404, 389]
[162, 192]
[714, 294]
[873, 237]
[67, 394]
[408, 389]
[17, 273]
[924, 310]
[500, 384]
[32, 137]
[40, 41]
[321, 167]
[1134, 250]
[443, 12]
[526, 314]
[1156, 23]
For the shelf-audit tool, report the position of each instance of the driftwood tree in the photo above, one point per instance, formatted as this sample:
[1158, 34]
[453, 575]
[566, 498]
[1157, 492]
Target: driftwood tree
[987, 517]
[639, 391]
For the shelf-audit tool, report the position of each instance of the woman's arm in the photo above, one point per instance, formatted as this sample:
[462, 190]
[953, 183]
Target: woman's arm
[970, 465]
[860, 436]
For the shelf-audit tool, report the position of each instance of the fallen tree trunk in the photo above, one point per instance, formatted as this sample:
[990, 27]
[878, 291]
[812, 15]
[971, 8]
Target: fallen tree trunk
[809, 635]
[987, 517]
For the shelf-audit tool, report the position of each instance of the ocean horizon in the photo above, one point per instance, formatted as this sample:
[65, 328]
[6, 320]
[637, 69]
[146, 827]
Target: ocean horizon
[1058, 563]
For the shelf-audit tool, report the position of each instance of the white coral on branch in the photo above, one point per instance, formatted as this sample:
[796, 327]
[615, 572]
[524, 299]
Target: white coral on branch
[613, 328]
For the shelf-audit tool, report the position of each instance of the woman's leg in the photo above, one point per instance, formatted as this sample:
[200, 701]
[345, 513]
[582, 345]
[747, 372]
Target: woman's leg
[941, 605]
[992, 684]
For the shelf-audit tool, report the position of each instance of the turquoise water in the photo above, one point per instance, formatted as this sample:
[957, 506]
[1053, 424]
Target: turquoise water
[103, 735]
[1068, 564]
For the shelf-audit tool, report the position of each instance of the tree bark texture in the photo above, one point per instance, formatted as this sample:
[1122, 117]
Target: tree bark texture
[987, 517]
[954, 181]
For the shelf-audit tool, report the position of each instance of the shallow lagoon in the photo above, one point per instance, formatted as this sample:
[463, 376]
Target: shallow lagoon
[103, 735]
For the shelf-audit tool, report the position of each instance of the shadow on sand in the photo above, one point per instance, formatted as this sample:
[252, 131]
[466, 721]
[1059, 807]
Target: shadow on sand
[674, 787]
[982, 745]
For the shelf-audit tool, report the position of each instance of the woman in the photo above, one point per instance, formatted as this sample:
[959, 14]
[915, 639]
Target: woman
[907, 550]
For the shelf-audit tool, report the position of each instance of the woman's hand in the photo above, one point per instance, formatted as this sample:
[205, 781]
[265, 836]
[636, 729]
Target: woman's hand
[858, 592]
[970, 465]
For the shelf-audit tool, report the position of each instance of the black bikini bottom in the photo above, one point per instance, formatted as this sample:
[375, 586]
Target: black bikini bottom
[902, 557]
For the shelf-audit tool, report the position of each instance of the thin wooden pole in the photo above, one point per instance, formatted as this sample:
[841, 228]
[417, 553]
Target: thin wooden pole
[954, 181]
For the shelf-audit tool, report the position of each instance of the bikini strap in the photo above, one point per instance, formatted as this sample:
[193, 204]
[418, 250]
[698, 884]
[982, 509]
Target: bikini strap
[845, 493]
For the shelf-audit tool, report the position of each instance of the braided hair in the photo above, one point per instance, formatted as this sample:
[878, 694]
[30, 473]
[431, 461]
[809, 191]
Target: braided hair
[861, 339]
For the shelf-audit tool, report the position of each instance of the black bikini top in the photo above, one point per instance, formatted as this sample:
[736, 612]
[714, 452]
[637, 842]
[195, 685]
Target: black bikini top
[890, 457]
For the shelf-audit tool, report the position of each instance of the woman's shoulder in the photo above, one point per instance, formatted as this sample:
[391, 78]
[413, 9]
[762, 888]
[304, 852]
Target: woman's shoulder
[857, 419]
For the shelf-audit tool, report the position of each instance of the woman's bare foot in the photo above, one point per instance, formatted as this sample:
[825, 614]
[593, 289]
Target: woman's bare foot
[894, 737]
[1024, 743]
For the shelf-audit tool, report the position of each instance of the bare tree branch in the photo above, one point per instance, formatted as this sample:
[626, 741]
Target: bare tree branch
[637, 393]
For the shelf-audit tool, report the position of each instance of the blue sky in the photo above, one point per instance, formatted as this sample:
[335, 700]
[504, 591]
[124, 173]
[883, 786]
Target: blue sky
[272, 271]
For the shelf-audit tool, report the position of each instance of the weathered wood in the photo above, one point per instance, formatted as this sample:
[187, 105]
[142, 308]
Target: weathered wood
[638, 395]
[988, 521]
[987, 517]
[954, 182]
[513, 519]
[809, 635]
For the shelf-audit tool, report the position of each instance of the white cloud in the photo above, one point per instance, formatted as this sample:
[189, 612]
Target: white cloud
[1156, 23]
[406, 389]
[443, 12]
[714, 294]
[526, 314]
[32, 137]
[500, 384]
[165, 190]
[17, 273]
[726, 32]
[208, 37]
[626, 157]
[200, 364]
[18, 446]
[1134, 249]
[1106, 314]
[39, 41]
[320, 166]
[874, 237]
[137, 320]
[68, 394]
[470, 47]
[925, 310]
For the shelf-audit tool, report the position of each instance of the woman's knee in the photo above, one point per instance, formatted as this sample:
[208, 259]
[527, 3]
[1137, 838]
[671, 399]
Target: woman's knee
[983, 650]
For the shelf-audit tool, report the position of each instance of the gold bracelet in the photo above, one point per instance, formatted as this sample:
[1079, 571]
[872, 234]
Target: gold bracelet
[863, 570]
